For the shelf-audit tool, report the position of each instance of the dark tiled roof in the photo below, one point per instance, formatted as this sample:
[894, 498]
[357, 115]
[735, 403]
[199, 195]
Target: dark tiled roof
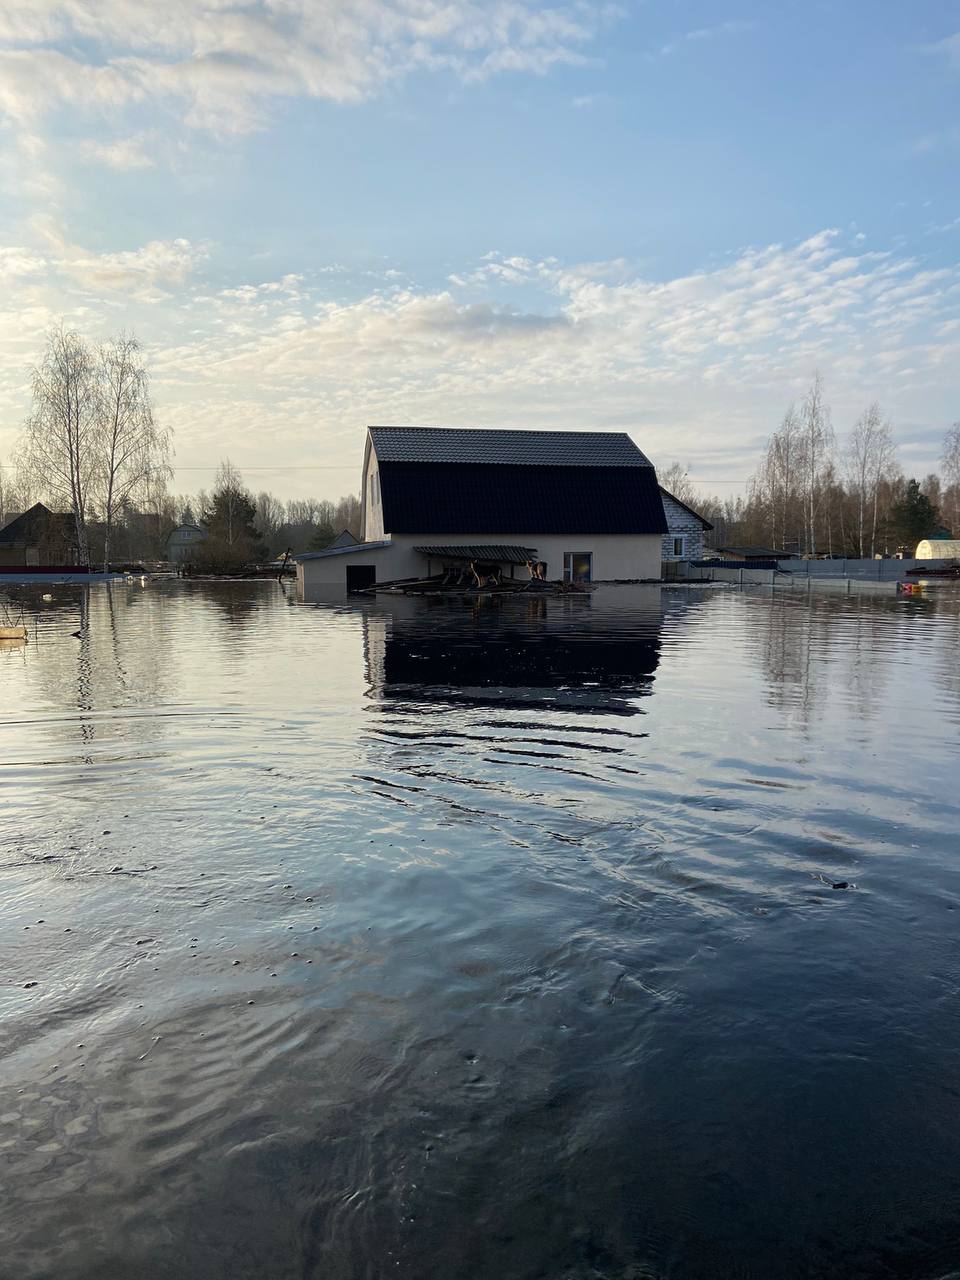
[515, 448]
[443, 498]
[480, 551]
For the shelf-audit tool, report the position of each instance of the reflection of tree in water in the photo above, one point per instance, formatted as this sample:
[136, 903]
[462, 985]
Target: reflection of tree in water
[783, 634]
[838, 646]
[96, 648]
[864, 676]
[238, 602]
[516, 652]
[947, 662]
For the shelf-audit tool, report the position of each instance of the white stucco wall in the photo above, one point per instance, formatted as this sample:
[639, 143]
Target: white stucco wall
[614, 556]
[372, 506]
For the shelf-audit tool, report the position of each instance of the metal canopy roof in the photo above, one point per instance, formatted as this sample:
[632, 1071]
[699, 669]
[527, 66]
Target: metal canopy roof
[486, 552]
[352, 548]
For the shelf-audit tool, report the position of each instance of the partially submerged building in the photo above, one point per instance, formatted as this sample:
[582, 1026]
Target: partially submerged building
[584, 504]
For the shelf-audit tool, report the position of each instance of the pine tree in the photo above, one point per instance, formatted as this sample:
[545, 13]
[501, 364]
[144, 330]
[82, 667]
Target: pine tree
[914, 517]
[232, 537]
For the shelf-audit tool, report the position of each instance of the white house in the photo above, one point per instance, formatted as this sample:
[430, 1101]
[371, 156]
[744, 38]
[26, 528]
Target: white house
[587, 504]
[685, 529]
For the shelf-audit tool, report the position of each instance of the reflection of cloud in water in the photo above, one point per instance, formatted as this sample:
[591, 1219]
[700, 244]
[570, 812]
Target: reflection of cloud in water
[584, 654]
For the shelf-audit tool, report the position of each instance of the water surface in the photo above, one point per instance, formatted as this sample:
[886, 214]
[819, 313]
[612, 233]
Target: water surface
[446, 940]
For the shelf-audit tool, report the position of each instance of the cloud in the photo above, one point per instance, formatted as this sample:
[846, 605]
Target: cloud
[16, 262]
[587, 101]
[700, 34]
[224, 67]
[948, 47]
[124, 154]
[140, 273]
[699, 364]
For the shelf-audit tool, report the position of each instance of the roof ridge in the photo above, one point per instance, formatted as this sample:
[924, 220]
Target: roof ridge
[520, 446]
[514, 431]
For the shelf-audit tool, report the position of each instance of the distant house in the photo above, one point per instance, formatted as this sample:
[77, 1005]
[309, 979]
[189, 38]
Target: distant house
[685, 529]
[39, 538]
[584, 503]
[183, 541]
[754, 553]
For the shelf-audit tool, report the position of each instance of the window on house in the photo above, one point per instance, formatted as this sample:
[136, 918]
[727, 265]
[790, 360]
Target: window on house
[375, 488]
[679, 547]
[578, 566]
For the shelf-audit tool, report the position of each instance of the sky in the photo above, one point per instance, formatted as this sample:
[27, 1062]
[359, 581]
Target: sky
[657, 216]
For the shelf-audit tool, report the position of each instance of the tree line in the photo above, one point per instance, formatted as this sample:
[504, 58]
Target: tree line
[241, 527]
[813, 495]
[92, 447]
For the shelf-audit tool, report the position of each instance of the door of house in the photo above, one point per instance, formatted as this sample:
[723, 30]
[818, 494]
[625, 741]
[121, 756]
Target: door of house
[577, 566]
[361, 576]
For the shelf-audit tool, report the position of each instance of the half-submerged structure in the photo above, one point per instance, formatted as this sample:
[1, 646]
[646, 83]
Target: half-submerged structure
[456, 504]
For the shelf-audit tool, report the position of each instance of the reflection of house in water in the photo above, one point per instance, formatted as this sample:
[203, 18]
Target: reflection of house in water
[594, 653]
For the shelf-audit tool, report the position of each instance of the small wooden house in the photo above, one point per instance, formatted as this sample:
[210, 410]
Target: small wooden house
[182, 543]
[39, 538]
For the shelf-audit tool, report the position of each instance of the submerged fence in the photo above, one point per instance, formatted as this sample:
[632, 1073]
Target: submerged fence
[846, 575]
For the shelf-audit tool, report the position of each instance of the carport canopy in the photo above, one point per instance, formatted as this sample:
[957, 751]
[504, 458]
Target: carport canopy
[487, 552]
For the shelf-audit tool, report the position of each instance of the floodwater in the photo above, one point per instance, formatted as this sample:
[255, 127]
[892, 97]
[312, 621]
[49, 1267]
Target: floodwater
[450, 941]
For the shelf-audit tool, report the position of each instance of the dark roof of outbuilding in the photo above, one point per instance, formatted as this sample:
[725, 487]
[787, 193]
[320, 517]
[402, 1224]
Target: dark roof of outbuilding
[759, 553]
[513, 448]
[343, 539]
[494, 553]
[443, 498]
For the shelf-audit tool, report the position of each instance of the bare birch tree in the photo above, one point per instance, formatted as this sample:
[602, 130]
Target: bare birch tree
[132, 450]
[817, 443]
[884, 468]
[6, 496]
[868, 454]
[676, 480]
[784, 459]
[58, 450]
[950, 462]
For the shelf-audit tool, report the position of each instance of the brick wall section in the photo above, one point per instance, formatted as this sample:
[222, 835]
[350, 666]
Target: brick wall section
[681, 524]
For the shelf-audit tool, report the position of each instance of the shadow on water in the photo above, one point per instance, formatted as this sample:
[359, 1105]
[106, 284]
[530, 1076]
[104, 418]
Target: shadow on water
[579, 651]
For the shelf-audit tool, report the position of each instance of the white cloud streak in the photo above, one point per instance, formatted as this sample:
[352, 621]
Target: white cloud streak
[699, 365]
[223, 67]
